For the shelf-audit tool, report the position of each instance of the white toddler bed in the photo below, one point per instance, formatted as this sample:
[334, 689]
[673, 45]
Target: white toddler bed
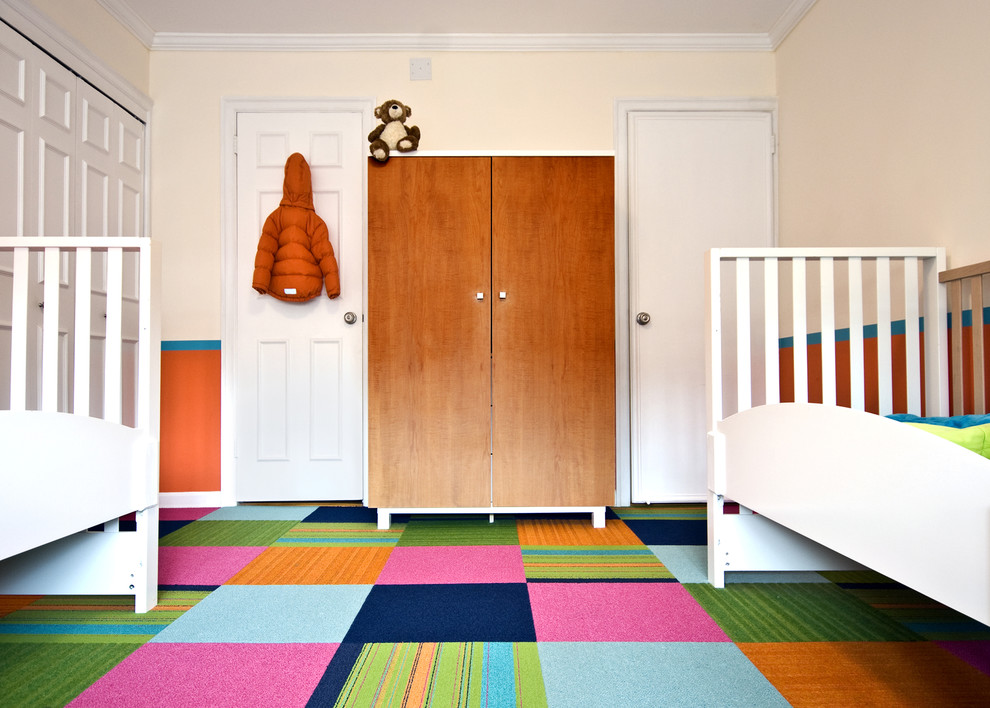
[78, 426]
[822, 481]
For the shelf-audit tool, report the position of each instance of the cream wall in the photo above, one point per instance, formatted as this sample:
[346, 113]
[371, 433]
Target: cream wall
[885, 126]
[90, 25]
[476, 101]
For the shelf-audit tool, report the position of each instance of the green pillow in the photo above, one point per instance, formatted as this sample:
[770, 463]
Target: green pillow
[975, 437]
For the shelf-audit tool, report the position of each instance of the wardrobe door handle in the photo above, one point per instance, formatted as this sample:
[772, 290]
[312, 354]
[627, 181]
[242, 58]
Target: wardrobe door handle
[350, 318]
[643, 318]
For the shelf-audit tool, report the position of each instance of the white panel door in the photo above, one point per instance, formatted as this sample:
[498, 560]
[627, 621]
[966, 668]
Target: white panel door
[299, 365]
[697, 180]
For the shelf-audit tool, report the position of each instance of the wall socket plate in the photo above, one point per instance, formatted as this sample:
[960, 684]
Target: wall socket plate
[420, 69]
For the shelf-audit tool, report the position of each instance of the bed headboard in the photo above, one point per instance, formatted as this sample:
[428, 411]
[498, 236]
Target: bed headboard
[857, 327]
[965, 285]
[83, 336]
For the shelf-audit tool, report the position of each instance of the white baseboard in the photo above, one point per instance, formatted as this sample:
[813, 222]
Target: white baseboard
[190, 500]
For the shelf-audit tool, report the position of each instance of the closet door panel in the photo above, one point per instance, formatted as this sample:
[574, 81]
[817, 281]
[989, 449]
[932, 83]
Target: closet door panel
[429, 336]
[553, 334]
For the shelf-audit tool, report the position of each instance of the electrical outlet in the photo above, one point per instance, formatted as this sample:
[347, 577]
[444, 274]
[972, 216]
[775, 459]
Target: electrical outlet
[420, 69]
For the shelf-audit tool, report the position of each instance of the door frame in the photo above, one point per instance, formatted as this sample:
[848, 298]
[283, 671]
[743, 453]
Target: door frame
[625, 108]
[230, 107]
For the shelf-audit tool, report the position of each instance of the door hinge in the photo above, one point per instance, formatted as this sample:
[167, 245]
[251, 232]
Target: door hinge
[773, 144]
[235, 144]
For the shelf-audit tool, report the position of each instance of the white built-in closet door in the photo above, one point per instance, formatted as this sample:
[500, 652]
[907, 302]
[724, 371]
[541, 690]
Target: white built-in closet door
[72, 165]
[697, 180]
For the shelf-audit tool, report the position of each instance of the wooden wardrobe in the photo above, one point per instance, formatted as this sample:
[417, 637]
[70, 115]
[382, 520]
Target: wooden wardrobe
[491, 332]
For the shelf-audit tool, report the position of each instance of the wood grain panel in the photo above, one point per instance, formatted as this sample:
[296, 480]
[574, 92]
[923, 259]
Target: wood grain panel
[429, 337]
[553, 336]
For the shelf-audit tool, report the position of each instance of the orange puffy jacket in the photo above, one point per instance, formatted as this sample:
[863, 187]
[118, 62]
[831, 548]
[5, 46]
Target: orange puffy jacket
[295, 256]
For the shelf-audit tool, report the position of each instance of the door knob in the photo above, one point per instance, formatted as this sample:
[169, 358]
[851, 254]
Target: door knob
[643, 318]
[350, 318]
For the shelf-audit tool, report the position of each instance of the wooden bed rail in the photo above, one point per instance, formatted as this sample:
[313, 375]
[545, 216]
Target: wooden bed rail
[960, 282]
[50, 296]
[738, 381]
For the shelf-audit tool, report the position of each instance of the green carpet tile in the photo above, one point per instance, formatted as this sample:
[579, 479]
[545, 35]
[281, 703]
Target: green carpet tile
[78, 666]
[593, 563]
[792, 612]
[228, 533]
[340, 534]
[656, 512]
[474, 530]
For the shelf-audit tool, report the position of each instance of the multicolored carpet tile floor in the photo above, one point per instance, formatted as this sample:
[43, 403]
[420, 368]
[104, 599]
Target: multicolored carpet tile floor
[313, 605]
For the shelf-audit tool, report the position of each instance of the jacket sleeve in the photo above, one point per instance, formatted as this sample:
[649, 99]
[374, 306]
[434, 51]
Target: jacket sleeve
[322, 249]
[265, 258]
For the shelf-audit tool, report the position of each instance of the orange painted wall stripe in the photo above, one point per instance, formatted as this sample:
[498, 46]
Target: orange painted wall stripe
[190, 420]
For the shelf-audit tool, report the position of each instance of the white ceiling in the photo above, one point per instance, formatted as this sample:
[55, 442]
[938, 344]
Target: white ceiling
[753, 25]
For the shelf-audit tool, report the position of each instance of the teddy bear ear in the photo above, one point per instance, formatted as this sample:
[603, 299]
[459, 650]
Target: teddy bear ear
[408, 111]
[378, 112]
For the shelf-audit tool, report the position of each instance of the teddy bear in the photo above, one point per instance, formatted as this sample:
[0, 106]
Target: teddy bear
[393, 134]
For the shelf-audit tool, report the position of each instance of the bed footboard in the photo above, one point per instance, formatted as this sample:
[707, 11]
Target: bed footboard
[806, 347]
[78, 417]
[897, 499]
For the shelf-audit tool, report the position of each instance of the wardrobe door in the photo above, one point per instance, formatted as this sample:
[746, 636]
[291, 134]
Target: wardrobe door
[429, 332]
[553, 334]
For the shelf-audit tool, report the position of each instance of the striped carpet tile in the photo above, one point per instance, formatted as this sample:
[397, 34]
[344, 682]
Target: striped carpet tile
[795, 612]
[666, 512]
[84, 619]
[314, 565]
[340, 534]
[574, 532]
[593, 563]
[445, 674]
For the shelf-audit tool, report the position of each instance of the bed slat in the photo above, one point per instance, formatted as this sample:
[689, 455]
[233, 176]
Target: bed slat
[18, 331]
[49, 337]
[799, 294]
[885, 388]
[955, 309]
[744, 371]
[976, 300]
[912, 336]
[113, 352]
[857, 357]
[83, 327]
[771, 346]
[827, 285]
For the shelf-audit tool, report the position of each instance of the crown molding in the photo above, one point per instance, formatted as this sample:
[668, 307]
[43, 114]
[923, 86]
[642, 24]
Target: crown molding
[794, 13]
[669, 42]
[27, 19]
[122, 12]
[464, 42]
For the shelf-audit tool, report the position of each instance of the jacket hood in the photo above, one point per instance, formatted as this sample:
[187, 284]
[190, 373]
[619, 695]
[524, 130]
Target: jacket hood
[297, 189]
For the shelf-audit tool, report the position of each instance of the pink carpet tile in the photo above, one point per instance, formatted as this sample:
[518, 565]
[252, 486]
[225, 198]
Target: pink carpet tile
[619, 612]
[424, 565]
[216, 675]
